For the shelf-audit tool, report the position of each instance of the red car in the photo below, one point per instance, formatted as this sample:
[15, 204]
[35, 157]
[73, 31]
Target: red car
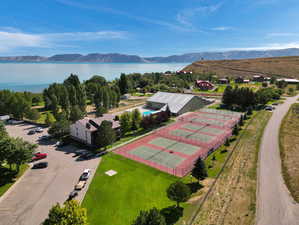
[39, 155]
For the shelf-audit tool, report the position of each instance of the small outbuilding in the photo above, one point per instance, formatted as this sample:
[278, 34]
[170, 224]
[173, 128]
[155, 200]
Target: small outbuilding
[204, 85]
[177, 103]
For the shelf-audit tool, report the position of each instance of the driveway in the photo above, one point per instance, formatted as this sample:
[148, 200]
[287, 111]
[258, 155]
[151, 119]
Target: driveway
[275, 206]
[29, 200]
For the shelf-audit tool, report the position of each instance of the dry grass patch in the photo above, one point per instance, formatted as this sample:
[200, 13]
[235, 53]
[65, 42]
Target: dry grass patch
[233, 198]
[289, 150]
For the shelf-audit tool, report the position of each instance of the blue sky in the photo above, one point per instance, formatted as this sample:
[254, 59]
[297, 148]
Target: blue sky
[146, 28]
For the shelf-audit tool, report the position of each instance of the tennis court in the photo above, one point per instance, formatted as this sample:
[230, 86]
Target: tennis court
[174, 148]
[163, 158]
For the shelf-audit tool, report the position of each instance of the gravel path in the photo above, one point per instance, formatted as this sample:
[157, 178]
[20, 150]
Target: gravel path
[275, 206]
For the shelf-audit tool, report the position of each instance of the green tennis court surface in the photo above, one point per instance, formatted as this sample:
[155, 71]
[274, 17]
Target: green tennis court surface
[209, 121]
[175, 146]
[216, 116]
[212, 130]
[191, 126]
[223, 112]
[160, 157]
[190, 135]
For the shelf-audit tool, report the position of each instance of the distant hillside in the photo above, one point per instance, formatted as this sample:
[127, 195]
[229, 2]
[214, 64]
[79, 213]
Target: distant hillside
[185, 58]
[280, 66]
[192, 57]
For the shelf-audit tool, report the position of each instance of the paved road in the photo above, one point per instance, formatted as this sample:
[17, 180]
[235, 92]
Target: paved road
[275, 206]
[29, 200]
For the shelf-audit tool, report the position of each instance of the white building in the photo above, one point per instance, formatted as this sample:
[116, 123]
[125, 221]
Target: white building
[84, 130]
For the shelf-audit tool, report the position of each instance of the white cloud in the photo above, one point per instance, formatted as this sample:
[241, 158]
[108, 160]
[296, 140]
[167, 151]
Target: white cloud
[271, 46]
[12, 40]
[222, 28]
[124, 14]
[185, 16]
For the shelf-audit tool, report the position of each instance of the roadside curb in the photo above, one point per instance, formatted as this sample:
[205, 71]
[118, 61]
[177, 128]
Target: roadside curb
[15, 184]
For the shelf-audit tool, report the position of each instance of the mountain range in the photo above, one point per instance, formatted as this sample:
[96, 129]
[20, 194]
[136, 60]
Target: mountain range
[185, 58]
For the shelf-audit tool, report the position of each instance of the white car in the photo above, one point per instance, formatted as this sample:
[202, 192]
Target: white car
[39, 129]
[86, 174]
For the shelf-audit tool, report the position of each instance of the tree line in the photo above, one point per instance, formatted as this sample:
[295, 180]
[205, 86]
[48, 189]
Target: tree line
[19, 104]
[14, 151]
[244, 98]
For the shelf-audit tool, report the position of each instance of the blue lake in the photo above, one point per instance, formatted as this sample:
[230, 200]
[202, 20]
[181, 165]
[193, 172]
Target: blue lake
[36, 76]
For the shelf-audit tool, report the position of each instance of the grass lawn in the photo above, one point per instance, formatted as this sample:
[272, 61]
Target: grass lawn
[8, 177]
[289, 150]
[118, 199]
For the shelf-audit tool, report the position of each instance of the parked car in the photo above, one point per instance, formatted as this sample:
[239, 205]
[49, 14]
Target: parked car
[80, 185]
[40, 165]
[72, 195]
[269, 108]
[87, 156]
[31, 132]
[275, 103]
[60, 144]
[101, 153]
[44, 137]
[39, 130]
[38, 156]
[86, 174]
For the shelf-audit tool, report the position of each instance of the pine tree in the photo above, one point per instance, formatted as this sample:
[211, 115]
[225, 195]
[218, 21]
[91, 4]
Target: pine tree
[199, 171]
[136, 119]
[105, 135]
[123, 84]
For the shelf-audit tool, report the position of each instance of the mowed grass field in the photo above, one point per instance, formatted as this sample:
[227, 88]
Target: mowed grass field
[289, 149]
[118, 199]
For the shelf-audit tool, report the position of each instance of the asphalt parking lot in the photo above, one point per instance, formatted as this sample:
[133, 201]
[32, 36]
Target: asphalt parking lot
[29, 200]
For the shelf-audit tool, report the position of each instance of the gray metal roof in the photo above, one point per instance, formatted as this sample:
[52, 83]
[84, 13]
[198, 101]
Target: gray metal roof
[175, 101]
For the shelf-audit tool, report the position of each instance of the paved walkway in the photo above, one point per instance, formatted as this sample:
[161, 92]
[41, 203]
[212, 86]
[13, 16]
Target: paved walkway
[275, 206]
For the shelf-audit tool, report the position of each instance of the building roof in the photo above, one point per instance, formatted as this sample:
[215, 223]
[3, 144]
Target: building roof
[289, 80]
[109, 117]
[174, 101]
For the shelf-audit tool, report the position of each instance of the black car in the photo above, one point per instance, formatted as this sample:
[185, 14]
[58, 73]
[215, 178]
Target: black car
[72, 195]
[31, 132]
[40, 165]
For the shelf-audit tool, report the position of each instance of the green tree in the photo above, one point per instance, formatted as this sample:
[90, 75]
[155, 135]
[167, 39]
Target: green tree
[123, 84]
[71, 213]
[100, 111]
[136, 119]
[60, 128]
[236, 130]
[151, 217]
[227, 143]
[178, 192]
[33, 114]
[241, 121]
[23, 152]
[49, 119]
[76, 114]
[105, 135]
[3, 132]
[199, 171]
[125, 123]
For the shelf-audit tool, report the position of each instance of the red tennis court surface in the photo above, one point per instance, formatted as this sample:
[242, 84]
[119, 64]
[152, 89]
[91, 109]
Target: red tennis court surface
[175, 148]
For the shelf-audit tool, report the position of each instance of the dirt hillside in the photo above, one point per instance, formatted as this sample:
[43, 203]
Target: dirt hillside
[279, 66]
